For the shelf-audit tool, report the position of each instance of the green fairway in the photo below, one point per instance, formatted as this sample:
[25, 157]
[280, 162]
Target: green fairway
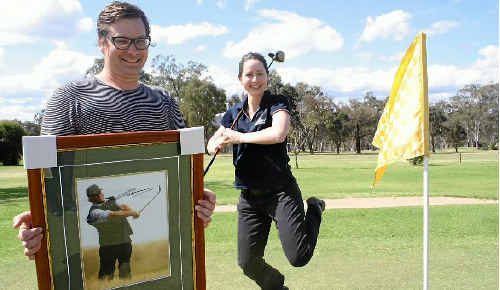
[357, 249]
[351, 175]
[375, 249]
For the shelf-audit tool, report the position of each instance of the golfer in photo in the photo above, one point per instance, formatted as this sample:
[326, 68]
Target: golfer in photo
[110, 220]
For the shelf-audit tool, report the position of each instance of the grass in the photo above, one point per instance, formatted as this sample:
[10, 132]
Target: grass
[143, 267]
[350, 175]
[375, 249]
[17, 272]
[357, 249]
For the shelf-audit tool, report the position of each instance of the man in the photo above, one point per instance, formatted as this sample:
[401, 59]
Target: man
[110, 220]
[112, 101]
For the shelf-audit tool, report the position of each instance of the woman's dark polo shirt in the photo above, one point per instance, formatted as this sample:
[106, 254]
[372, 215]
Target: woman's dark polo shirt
[259, 166]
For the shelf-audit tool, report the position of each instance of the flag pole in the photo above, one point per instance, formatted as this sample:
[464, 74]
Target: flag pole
[426, 223]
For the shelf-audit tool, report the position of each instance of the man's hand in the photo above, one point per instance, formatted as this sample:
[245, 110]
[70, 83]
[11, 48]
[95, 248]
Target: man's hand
[30, 237]
[205, 207]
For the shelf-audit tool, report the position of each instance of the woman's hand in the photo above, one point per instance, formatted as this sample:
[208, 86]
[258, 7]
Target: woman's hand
[231, 136]
[217, 141]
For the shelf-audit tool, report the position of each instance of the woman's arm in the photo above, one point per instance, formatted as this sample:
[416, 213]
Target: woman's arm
[271, 135]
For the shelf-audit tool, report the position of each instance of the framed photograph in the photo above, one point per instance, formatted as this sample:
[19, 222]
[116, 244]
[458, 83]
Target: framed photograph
[118, 213]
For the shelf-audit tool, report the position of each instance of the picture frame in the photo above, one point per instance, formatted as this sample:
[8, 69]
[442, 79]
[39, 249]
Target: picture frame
[144, 172]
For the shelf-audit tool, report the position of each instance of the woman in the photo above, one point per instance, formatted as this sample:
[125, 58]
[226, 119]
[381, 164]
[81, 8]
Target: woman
[269, 191]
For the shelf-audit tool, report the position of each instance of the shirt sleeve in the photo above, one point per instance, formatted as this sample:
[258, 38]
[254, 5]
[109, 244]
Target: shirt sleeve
[98, 216]
[228, 118]
[280, 103]
[58, 116]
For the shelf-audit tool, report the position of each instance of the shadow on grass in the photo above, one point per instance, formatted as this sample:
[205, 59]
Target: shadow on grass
[12, 193]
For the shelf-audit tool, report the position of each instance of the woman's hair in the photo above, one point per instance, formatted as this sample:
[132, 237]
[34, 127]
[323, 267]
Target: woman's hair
[252, 55]
[116, 11]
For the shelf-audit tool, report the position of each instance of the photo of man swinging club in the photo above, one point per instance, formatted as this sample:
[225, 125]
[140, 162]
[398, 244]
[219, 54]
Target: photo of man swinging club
[123, 229]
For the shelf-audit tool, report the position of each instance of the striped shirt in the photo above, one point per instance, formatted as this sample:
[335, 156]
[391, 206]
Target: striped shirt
[89, 106]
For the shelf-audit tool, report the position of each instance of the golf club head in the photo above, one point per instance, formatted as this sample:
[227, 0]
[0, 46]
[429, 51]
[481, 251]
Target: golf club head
[279, 56]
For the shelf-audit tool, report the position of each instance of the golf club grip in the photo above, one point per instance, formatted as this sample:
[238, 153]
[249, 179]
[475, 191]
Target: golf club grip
[217, 151]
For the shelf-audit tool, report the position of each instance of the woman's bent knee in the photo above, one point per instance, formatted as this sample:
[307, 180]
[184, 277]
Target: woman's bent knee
[299, 260]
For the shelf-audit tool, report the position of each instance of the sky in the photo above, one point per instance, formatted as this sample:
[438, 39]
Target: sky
[346, 47]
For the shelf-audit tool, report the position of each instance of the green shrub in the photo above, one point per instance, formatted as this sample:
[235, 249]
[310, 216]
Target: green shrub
[417, 161]
[493, 146]
[11, 143]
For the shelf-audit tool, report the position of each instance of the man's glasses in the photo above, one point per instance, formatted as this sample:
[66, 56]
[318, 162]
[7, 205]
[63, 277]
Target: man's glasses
[123, 43]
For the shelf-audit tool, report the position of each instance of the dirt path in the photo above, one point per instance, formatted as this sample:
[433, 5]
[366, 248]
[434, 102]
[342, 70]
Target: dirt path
[384, 202]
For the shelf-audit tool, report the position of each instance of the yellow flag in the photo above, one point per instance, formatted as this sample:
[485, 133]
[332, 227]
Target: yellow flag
[403, 129]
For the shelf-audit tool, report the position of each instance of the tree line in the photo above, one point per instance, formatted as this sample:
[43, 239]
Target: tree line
[319, 123]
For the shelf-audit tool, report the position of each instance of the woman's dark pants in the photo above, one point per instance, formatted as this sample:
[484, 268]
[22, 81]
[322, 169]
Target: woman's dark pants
[298, 232]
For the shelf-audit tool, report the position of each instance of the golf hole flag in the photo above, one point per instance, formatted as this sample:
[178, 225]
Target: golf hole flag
[403, 129]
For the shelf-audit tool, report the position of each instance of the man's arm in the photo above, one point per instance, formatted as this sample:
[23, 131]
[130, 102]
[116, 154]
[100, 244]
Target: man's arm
[124, 212]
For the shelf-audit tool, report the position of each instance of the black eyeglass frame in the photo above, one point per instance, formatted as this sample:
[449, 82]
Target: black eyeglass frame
[130, 41]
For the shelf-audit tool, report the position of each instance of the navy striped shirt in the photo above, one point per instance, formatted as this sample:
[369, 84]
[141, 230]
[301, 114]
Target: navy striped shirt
[89, 106]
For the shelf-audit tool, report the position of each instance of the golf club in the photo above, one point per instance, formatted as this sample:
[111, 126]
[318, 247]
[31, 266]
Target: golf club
[133, 192]
[159, 190]
[279, 56]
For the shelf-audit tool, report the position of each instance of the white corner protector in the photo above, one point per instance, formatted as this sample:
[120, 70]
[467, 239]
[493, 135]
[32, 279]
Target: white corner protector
[192, 140]
[39, 152]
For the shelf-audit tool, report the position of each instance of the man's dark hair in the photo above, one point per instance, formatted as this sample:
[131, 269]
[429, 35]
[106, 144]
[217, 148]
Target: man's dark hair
[252, 55]
[119, 10]
[93, 191]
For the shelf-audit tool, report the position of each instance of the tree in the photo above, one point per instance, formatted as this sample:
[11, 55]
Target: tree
[202, 100]
[338, 127]
[470, 106]
[295, 120]
[172, 76]
[489, 95]
[233, 100]
[37, 119]
[11, 146]
[363, 118]
[437, 118]
[307, 108]
[455, 133]
[31, 128]
[274, 82]
[96, 67]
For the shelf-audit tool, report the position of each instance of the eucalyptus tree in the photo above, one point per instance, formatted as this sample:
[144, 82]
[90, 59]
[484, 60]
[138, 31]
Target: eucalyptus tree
[437, 119]
[202, 100]
[489, 95]
[338, 126]
[363, 119]
[173, 76]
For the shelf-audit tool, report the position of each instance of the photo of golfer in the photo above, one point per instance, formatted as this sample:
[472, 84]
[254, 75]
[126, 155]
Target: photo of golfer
[110, 220]
[124, 231]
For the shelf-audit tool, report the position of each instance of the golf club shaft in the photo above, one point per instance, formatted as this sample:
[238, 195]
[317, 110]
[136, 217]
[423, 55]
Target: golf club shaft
[217, 151]
[159, 190]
